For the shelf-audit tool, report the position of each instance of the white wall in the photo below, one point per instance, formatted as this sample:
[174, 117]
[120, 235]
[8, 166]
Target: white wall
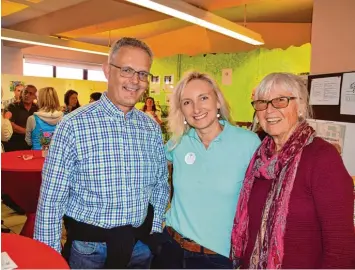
[333, 39]
[11, 60]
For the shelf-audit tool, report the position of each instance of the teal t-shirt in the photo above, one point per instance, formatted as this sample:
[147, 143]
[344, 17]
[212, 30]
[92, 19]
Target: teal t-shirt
[207, 184]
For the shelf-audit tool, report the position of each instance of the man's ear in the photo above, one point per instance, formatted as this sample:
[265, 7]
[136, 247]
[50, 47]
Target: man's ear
[106, 70]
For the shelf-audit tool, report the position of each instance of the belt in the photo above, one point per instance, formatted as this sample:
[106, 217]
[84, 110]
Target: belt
[189, 245]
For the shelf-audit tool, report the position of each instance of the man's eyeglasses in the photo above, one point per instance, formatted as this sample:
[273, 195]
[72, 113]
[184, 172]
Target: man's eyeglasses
[26, 92]
[128, 72]
[277, 103]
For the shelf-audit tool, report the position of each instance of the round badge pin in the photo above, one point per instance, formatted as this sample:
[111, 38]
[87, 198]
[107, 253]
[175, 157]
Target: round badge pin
[190, 158]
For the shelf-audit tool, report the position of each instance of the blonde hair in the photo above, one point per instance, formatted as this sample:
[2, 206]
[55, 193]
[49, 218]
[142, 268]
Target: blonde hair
[176, 118]
[48, 100]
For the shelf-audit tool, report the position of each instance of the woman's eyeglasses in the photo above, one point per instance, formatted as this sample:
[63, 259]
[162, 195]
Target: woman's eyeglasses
[128, 72]
[277, 103]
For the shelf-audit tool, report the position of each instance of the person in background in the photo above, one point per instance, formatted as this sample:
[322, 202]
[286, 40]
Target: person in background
[71, 101]
[150, 109]
[6, 128]
[105, 166]
[46, 119]
[95, 97]
[296, 206]
[17, 95]
[20, 112]
[209, 156]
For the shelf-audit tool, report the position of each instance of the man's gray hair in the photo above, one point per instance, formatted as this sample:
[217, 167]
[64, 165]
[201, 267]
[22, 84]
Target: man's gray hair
[129, 42]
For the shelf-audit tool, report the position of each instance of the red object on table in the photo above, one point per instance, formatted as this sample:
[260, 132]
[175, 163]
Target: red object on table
[21, 180]
[28, 253]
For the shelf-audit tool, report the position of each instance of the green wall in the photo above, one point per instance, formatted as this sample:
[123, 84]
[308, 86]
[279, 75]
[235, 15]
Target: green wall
[163, 67]
[248, 69]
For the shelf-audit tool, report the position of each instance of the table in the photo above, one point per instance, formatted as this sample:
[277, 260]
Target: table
[28, 253]
[21, 180]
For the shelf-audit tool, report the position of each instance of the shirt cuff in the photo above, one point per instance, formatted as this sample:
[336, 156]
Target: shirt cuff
[157, 226]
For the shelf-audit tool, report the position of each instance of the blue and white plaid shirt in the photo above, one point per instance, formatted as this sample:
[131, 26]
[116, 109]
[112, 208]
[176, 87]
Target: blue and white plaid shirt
[103, 168]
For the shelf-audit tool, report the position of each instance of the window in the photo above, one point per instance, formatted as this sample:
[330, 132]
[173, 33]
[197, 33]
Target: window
[70, 73]
[30, 69]
[96, 75]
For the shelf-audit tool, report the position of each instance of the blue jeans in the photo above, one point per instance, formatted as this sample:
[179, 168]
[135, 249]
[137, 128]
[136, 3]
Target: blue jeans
[90, 255]
[173, 256]
[194, 260]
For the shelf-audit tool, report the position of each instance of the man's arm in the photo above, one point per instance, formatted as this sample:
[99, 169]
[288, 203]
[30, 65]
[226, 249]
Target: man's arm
[16, 128]
[161, 191]
[57, 172]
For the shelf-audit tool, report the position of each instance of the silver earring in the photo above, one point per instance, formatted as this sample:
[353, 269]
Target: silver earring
[185, 123]
[218, 115]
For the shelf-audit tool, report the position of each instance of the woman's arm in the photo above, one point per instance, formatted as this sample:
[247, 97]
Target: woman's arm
[157, 117]
[6, 130]
[30, 126]
[332, 189]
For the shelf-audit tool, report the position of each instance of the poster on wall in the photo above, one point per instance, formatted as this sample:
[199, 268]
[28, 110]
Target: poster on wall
[227, 76]
[169, 79]
[155, 80]
[325, 91]
[331, 132]
[13, 85]
[347, 104]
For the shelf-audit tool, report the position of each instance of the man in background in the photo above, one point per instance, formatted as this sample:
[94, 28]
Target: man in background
[20, 112]
[17, 95]
[95, 97]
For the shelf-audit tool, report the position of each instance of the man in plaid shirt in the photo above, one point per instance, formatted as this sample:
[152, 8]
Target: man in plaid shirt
[105, 165]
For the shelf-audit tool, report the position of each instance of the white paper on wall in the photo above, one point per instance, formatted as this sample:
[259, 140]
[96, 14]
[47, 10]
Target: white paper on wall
[227, 76]
[325, 91]
[347, 103]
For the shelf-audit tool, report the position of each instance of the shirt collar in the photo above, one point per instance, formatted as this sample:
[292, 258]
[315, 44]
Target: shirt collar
[22, 105]
[112, 110]
[193, 134]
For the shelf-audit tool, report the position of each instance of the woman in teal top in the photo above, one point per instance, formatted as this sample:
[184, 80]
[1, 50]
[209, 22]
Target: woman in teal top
[210, 157]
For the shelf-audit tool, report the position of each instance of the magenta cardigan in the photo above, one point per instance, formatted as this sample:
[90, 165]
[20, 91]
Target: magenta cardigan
[319, 226]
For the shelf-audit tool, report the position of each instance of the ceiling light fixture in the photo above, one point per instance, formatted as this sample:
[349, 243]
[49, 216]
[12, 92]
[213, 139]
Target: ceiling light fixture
[52, 42]
[192, 14]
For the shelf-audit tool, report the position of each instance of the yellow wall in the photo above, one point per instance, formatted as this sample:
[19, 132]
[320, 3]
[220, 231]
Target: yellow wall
[84, 88]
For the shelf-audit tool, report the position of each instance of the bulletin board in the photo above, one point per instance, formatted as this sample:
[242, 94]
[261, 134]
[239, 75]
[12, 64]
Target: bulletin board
[330, 112]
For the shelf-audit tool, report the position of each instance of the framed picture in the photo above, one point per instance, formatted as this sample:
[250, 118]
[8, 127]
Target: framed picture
[155, 80]
[169, 79]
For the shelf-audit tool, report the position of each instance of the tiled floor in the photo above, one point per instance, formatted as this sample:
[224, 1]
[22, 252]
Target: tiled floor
[11, 220]
[15, 222]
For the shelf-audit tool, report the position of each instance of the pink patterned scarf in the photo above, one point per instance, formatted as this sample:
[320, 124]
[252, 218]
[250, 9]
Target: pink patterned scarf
[280, 168]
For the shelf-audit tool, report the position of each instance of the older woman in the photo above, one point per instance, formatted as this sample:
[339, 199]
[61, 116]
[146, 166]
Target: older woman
[46, 119]
[296, 206]
[210, 156]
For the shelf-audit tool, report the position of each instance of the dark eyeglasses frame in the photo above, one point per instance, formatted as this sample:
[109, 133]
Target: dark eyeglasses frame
[267, 102]
[138, 72]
